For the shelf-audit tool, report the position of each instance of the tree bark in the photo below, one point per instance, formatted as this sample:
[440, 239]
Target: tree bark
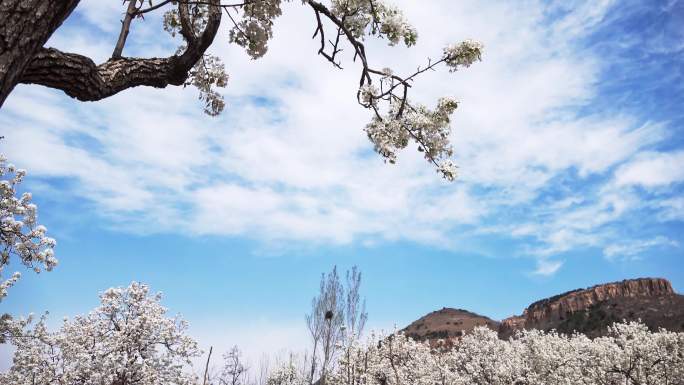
[25, 26]
[77, 75]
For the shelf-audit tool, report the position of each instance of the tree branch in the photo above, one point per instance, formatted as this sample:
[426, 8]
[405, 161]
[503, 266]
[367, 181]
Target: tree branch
[125, 28]
[79, 77]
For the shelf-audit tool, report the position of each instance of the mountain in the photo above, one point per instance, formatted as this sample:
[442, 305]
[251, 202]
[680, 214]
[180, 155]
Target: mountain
[447, 323]
[589, 311]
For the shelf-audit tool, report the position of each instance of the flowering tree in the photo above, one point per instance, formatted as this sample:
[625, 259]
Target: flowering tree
[629, 355]
[126, 340]
[287, 374]
[395, 122]
[21, 237]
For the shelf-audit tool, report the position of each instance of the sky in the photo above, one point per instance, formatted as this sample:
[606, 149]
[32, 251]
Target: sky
[569, 139]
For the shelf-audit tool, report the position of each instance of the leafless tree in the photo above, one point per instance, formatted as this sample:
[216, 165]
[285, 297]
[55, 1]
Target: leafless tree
[336, 311]
[234, 370]
[355, 310]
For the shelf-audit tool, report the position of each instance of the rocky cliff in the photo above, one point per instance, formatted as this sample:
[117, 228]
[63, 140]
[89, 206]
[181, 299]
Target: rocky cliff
[600, 304]
[589, 311]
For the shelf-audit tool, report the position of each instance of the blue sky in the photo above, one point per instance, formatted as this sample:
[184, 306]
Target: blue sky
[568, 137]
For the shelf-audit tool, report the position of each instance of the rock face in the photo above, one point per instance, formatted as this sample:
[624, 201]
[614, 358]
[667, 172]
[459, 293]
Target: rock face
[560, 311]
[589, 311]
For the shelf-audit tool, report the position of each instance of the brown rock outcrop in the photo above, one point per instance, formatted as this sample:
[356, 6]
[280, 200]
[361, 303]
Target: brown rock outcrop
[549, 312]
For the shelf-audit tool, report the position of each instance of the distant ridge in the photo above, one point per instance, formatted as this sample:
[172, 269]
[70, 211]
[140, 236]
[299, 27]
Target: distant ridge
[590, 311]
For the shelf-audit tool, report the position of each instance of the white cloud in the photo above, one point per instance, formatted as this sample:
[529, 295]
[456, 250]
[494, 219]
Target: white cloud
[671, 209]
[652, 169]
[630, 250]
[288, 160]
[547, 268]
[573, 223]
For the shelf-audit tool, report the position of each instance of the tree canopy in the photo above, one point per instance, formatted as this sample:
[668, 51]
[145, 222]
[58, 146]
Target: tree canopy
[126, 340]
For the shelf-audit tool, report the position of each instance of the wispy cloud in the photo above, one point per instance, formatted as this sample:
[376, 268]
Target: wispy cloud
[288, 160]
[652, 169]
[547, 268]
[635, 248]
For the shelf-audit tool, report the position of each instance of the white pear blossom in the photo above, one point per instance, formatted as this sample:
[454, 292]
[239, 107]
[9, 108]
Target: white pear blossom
[126, 340]
[256, 26]
[286, 374]
[368, 95]
[428, 128]
[448, 169]
[20, 234]
[6, 284]
[463, 54]
[209, 72]
[375, 18]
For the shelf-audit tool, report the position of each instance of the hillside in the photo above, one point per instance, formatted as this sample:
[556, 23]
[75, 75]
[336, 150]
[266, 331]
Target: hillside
[447, 323]
[589, 311]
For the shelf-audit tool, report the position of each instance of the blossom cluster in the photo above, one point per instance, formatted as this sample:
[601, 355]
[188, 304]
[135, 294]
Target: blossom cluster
[404, 122]
[287, 374]
[463, 54]
[430, 129]
[629, 354]
[375, 18]
[255, 28]
[209, 72]
[20, 234]
[126, 340]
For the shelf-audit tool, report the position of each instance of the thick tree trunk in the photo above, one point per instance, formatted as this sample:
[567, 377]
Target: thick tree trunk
[25, 26]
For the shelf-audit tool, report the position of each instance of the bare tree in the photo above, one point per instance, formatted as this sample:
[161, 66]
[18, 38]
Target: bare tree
[333, 319]
[355, 309]
[325, 322]
[234, 370]
[315, 325]
[337, 311]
